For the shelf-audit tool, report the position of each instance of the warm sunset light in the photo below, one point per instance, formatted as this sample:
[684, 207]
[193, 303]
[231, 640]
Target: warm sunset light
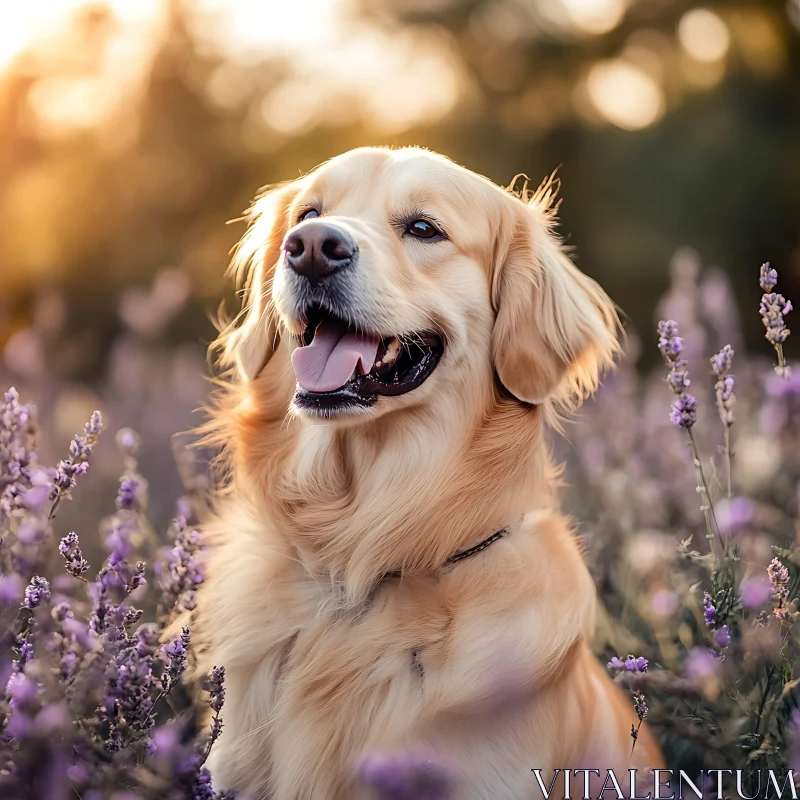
[368, 399]
[397, 81]
[25, 25]
[703, 35]
[625, 94]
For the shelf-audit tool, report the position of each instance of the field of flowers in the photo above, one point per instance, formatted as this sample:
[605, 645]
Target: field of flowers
[684, 482]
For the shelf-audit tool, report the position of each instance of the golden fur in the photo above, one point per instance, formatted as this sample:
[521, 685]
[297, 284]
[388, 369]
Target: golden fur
[486, 661]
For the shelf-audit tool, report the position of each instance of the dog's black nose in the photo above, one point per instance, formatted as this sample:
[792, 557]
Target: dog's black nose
[317, 249]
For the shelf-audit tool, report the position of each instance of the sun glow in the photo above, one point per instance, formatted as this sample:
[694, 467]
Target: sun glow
[385, 77]
[241, 28]
[29, 24]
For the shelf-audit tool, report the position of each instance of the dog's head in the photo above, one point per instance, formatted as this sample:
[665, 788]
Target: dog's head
[392, 278]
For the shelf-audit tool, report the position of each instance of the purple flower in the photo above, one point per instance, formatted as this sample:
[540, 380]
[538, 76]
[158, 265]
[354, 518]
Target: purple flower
[721, 364]
[202, 789]
[734, 514]
[80, 449]
[132, 495]
[755, 591]
[722, 636]
[630, 664]
[640, 707]
[773, 309]
[129, 442]
[636, 664]
[21, 690]
[216, 687]
[701, 663]
[17, 439]
[664, 602]
[75, 686]
[670, 344]
[175, 654]
[411, 775]
[10, 589]
[32, 530]
[709, 611]
[37, 592]
[768, 277]
[779, 578]
[182, 569]
[69, 547]
[684, 411]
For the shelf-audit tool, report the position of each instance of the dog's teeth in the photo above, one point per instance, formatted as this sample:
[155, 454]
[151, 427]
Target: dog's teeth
[392, 351]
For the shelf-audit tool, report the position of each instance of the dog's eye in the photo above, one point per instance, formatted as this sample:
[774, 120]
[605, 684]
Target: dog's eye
[309, 213]
[424, 229]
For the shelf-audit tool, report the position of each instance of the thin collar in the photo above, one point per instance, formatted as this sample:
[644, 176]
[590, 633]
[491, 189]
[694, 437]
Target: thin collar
[487, 542]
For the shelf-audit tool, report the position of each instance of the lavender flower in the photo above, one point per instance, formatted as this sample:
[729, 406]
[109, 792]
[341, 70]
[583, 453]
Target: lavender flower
[630, 664]
[639, 706]
[80, 449]
[774, 307]
[182, 570]
[132, 495]
[18, 460]
[768, 277]
[78, 679]
[709, 611]
[755, 591]
[37, 593]
[128, 442]
[216, 688]
[23, 704]
[722, 637]
[10, 590]
[669, 343]
[215, 685]
[721, 365]
[175, 655]
[69, 547]
[779, 577]
[412, 775]
[684, 410]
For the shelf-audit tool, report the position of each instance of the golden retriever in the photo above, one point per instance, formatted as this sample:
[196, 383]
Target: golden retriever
[408, 329]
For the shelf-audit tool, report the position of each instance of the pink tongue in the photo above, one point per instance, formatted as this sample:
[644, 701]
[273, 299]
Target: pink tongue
[328, 362]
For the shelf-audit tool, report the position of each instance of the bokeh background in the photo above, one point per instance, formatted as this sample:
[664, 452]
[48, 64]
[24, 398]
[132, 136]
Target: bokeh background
[132, 131]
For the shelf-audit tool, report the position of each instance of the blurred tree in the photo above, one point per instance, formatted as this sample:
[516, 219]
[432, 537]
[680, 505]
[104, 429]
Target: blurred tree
[672, 123]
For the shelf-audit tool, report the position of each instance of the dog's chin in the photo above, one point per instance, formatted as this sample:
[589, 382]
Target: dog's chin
[401, 365]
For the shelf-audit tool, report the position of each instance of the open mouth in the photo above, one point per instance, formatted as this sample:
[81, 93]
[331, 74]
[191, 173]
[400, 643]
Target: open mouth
[337, 365]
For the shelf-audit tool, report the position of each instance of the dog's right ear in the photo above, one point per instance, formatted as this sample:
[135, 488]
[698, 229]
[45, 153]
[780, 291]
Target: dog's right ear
[249, 341]
[556, 330]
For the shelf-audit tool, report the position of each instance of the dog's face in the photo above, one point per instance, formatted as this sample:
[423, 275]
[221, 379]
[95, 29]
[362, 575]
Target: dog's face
[397, 279]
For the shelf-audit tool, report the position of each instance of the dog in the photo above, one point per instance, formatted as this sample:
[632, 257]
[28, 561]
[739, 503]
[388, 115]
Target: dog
[388, 568]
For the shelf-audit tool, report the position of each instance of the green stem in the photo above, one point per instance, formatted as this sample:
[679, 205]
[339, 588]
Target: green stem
[781, 360]
[728, 458]
[635, 739]
[705, 495]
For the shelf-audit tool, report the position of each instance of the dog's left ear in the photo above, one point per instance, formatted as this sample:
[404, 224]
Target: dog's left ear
[248, 342]
[556, 330]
